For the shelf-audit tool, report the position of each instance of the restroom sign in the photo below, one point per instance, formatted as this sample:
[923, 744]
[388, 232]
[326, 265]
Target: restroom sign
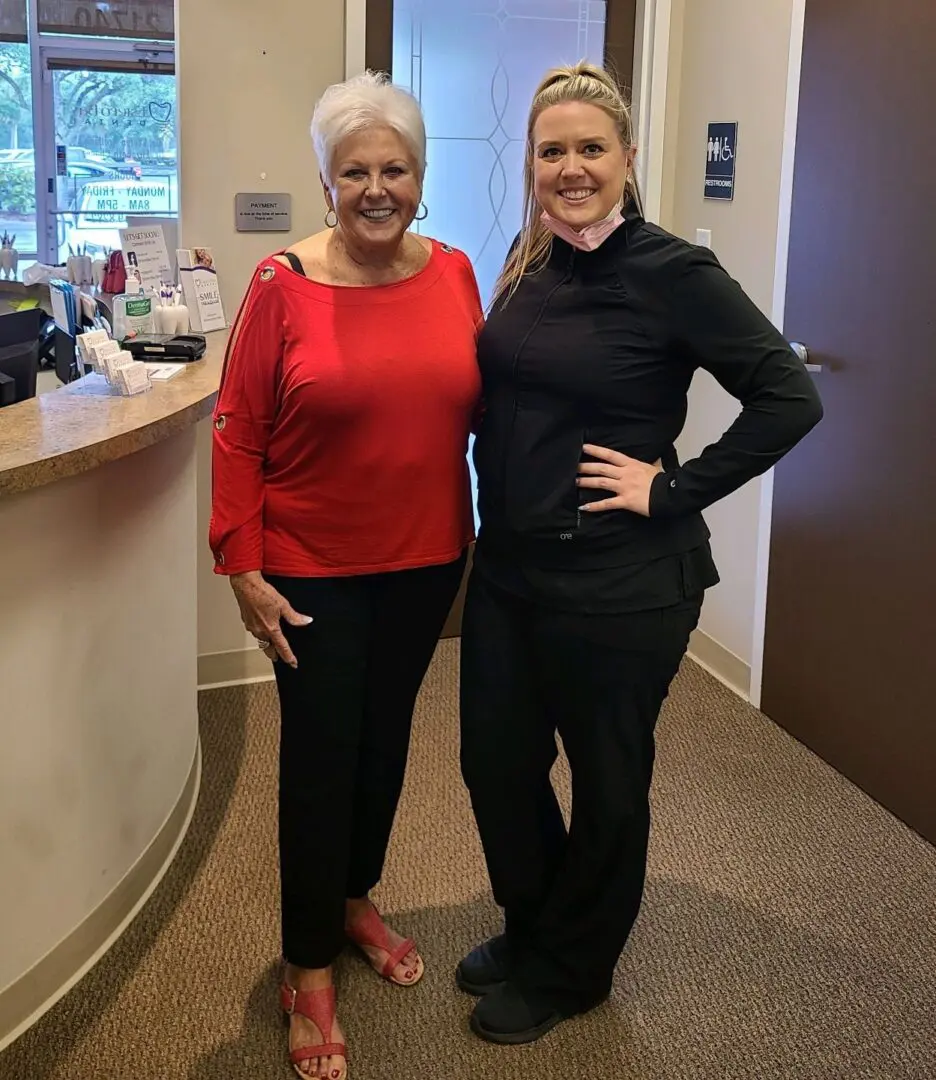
[721, 154]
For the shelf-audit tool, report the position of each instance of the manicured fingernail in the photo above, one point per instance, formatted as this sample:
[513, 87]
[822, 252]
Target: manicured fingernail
[306, 619]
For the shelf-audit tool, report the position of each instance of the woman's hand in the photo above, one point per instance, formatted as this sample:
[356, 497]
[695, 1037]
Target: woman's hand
[262, 608]
[626, 478]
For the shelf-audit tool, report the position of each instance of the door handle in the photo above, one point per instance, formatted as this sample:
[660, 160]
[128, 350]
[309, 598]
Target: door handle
[803, 353]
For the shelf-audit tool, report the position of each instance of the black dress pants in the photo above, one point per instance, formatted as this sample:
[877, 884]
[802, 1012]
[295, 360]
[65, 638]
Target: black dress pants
[346, 713]
[527, 671]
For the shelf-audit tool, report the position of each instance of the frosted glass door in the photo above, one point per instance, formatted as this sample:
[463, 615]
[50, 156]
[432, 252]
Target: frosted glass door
[473, 65]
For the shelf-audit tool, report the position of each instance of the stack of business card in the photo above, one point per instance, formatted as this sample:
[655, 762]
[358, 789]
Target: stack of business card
[122, 371]
[132, 378]
[125, 374]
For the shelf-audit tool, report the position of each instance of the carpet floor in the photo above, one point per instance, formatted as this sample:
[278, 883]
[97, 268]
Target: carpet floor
[788, 931]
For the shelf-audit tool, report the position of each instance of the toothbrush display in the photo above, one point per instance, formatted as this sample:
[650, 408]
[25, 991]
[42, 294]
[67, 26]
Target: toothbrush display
[9, 256]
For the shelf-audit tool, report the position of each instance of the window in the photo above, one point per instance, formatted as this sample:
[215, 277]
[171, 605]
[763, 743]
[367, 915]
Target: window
[152, 20]
[117, 130]
[17, 154]
[13, 20]
[96, 147]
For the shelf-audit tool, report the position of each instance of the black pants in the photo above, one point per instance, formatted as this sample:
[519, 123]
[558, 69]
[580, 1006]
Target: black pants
[346, 713]
[570, 900]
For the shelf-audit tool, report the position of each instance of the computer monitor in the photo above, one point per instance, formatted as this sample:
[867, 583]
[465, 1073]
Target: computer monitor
[66, 368]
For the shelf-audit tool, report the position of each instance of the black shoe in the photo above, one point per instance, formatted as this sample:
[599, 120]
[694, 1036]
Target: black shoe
[485, 968]
[510, 1017]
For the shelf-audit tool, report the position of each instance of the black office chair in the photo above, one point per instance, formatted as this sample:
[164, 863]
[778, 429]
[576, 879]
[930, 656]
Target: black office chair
[24, 336]
[19, 326]
[31, 325]
[19, 365]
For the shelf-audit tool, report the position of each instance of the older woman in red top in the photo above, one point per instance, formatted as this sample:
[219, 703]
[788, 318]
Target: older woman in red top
[342, 513]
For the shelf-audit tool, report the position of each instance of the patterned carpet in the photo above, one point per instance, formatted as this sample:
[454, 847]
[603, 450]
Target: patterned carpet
[788, 930]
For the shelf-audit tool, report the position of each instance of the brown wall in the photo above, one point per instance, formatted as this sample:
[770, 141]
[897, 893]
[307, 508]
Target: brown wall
[378, 48]
[619, 41]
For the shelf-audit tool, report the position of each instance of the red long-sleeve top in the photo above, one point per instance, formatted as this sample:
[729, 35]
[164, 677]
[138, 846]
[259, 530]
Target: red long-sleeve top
[342, 423]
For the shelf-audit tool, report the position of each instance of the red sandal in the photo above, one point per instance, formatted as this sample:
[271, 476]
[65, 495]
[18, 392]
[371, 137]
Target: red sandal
[369, 930]
[319, 1007]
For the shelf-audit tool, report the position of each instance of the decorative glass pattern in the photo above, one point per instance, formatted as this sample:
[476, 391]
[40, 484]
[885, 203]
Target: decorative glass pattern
[474, 65]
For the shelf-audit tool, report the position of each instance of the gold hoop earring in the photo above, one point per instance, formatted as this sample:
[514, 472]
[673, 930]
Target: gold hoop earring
[424, 214]
[331, 224]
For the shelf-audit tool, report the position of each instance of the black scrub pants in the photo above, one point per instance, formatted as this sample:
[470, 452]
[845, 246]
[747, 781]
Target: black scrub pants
[527, 672]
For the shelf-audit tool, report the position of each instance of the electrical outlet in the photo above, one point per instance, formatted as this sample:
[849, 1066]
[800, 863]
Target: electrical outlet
[703, 237]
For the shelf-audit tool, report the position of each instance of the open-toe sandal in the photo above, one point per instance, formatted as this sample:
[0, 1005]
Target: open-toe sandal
[319, 1007]
[369, 930]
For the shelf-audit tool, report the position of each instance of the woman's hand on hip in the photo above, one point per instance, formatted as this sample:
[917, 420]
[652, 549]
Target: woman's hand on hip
[627, 479]
[262, 609]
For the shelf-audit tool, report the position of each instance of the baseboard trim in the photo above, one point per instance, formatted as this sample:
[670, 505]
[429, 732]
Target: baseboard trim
[725, 665]
[233, 668]
[24, 1001]
[243, 666]
[240, 666]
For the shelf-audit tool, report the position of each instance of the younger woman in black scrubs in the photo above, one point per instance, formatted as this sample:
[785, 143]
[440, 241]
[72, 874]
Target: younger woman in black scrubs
[593, 555]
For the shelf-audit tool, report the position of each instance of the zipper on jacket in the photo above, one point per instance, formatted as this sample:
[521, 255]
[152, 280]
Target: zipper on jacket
[516, 365]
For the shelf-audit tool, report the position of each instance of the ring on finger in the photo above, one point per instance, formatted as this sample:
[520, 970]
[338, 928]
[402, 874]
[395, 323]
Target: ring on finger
[263, 644]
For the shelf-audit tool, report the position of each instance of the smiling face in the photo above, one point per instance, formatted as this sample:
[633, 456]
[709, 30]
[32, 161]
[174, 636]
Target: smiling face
[580, 165]
[375, 190]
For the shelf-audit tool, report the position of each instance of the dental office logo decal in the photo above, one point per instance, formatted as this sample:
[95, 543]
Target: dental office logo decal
[161, 111]
[112, 114]
[720, 161]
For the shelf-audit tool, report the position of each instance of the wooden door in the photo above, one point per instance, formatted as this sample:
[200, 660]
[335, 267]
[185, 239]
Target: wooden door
[850, 634]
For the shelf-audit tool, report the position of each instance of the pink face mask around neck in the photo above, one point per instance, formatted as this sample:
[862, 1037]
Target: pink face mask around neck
[592, 236]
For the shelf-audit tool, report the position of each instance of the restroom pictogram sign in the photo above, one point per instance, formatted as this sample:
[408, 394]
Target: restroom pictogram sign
[721, 155]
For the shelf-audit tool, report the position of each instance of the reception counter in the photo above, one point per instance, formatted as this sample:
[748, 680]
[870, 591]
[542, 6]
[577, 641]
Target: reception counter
[99, 765]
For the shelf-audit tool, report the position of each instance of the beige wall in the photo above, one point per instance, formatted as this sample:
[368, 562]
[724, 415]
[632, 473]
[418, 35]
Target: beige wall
[249, 75]
[729, 60]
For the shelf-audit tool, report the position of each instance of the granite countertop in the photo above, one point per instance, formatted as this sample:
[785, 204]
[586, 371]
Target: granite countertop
[86, 424]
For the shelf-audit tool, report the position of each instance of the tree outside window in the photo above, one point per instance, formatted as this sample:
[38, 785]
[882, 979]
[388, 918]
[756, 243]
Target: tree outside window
[17, 159]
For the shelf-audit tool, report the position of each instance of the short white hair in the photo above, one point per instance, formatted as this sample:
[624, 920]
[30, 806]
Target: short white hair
[367, 100]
